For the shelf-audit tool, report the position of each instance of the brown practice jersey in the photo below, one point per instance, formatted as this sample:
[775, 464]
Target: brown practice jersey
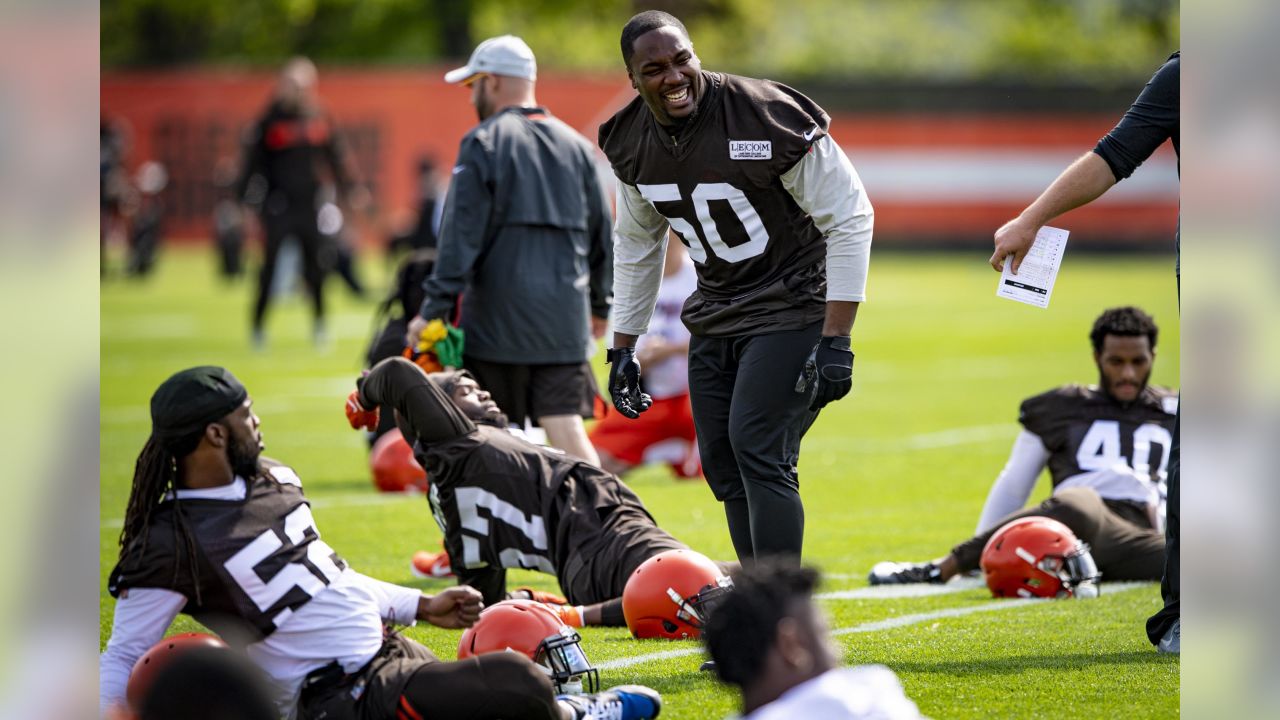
[503, 502]
[761, 260]
[1085, 430]
[258, 559]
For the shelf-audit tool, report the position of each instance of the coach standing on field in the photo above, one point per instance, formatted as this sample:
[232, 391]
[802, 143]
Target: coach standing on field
[525, 241]
[1152, 119]
[779, 228]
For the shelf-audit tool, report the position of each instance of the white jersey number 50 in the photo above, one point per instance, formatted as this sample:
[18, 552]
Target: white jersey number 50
[703, 194]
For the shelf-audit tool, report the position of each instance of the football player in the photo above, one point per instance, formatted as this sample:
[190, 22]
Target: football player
[664, 433]
[769, 639]
[779, 228]
[215, 531]
[1107, 450]
[503, 502]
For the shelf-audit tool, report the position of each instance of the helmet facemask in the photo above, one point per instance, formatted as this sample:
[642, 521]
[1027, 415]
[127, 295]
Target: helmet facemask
[561, 656]
[697, 608]
[1076, 570]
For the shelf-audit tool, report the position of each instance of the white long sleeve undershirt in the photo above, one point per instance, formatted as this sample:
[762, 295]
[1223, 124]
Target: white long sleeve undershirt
[343, 622]
[826, 186]
[1013, 487]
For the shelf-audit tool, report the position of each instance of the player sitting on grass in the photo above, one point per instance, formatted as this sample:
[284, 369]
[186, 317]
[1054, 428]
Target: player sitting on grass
[1106, 447]
[503, 502]
[217, 532]
[664, 432]
[770, 640]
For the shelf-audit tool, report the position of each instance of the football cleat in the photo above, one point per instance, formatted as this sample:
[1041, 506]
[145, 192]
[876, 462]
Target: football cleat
[898, 573]
[1171, 643]
[625, 702]
[431, 565]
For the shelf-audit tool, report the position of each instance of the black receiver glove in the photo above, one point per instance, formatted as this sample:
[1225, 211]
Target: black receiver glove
[828, 373]
[624, 382]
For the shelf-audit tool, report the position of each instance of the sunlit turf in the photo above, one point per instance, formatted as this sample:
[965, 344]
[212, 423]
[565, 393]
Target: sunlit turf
[899, 470]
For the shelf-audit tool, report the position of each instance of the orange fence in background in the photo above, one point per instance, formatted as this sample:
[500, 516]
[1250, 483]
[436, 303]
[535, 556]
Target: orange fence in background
[934, 179]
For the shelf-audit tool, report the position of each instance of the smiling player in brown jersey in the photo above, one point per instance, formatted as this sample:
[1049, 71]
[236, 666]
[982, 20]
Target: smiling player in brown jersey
[779, 228]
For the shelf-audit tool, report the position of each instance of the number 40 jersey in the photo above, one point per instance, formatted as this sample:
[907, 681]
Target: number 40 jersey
[729, 184]
[1121, 450]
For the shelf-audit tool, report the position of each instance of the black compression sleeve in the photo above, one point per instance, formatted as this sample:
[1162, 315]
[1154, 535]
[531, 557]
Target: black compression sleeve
[421, 403]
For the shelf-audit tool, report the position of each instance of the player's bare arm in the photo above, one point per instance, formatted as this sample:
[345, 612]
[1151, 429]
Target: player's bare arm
[452, 608]
[1081, 183]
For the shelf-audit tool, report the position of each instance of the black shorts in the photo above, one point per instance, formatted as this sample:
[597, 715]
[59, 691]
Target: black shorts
[406, 680]
[534, 391]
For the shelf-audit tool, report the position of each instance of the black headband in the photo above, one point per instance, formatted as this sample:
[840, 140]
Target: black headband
[448, 379]
[187, 402]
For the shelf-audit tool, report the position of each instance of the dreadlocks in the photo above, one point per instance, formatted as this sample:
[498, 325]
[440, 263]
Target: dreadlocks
[181, 409]
[155, 476]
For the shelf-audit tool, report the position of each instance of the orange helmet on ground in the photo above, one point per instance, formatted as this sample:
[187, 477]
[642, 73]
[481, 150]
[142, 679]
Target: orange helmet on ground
[671, 595]
[393, 465]
[161, 654]
[1039, 557]
[532, 629]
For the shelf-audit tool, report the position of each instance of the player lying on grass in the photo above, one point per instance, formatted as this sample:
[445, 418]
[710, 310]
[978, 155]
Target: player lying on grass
[217, 532]
[503, 502]
[770, 640]
[1107, 450]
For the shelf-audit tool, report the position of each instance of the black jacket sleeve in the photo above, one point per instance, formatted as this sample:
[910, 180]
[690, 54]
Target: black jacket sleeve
[421, 403]
[464, 230]
[1152, 119]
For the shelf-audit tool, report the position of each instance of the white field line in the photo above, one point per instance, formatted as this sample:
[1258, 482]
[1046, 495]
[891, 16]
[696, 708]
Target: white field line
[875, 626]
[888, 592]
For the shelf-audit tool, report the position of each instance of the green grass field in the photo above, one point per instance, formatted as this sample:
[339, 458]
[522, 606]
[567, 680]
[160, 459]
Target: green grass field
[898, 470]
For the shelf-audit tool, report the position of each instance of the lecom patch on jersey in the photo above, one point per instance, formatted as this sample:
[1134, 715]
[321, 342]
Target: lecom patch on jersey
[750, 150]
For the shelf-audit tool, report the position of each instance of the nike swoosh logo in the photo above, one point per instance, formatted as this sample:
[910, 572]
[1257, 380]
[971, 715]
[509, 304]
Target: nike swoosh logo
[809, 135]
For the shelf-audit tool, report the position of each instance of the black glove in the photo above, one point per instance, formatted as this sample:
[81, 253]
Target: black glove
[624, 382]
[828, 373]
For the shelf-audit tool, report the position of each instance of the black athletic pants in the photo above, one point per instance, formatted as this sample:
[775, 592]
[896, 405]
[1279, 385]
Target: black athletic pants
[1170, 582]
[1119, 534]
[406, 681]
[317, 259]
[750, 420]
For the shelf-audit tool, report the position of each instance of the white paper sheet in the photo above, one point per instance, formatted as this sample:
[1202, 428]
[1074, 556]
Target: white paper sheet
[1033, 284]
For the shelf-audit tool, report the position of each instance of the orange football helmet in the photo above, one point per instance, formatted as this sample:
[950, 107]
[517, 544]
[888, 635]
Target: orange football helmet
[393, 465]
[532, 629]
[1039, 557]
[161, 654]
[671, 595]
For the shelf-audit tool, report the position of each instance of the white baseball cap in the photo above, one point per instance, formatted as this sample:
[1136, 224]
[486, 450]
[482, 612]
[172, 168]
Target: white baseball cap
[503, 55]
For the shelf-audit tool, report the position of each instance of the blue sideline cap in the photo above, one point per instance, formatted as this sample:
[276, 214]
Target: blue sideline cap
[503, 55]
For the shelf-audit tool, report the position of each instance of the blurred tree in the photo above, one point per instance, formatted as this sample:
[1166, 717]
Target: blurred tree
[1102, 41]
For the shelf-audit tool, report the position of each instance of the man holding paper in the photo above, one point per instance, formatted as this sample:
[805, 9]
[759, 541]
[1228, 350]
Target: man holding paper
[1152, 119]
